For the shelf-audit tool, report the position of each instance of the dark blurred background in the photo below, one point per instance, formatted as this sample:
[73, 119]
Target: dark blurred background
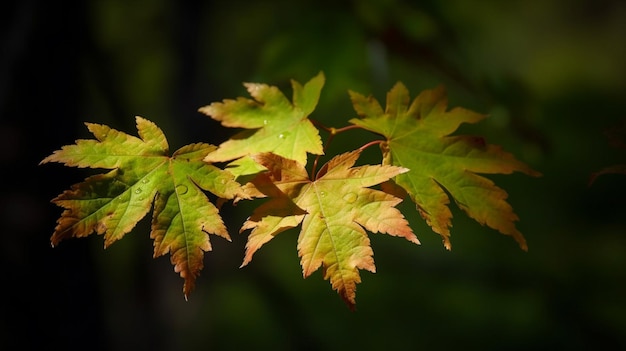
[551, 75]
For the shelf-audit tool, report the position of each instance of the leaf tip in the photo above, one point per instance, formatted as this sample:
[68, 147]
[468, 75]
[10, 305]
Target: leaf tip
[414, 240]
[206, 110]
[592, 179]
[245, 262]
[535, 174]
[45, 160]
[188, 286]
[522, 244]
[402, 170]
[350, 301]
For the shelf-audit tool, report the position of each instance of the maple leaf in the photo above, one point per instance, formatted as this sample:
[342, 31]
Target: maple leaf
[418, 137]
[271, 122]
[142, 174]
[617, 139]
[615, 169]
[334, 210]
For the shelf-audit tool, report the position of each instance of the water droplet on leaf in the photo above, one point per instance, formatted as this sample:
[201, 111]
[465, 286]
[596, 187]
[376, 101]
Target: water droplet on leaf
[281, 136]
[350, 197]
[144, 181]
[181, 189]
[138, 191]
[265, 122]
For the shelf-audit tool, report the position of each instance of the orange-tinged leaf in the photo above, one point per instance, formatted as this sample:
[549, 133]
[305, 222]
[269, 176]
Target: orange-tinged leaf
[418, 137]
[272, 123]
[615, 169]
[617, 139]
[334, 211]
[142, 174]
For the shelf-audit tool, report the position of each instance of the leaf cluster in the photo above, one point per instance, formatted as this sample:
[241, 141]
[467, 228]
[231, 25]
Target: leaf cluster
[335, 207]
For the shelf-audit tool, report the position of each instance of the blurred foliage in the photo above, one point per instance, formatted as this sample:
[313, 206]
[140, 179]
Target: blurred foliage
[549, 73]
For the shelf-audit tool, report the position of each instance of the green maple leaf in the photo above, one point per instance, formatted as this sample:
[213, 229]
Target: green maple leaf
[141, 174]
[334, 210]
[418, 137]
[271, 122]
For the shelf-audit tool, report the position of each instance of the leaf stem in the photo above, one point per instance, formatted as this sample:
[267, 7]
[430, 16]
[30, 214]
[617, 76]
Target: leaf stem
[371, 143]
[332, 131]
[317, 158]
